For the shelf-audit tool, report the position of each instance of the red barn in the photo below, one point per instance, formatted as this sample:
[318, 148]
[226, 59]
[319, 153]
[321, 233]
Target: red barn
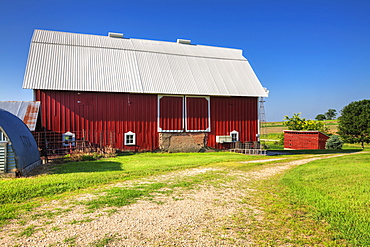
[142, 94]
[294, 139]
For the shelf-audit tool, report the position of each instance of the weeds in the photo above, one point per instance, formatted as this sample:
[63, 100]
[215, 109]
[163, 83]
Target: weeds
[90, 154]
[80, 221]
[105, 241]
[28, 231]
[71, 241]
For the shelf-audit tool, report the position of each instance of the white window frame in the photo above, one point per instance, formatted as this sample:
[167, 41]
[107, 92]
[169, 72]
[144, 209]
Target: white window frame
[209, 114]
[234, 132]
[127, 134]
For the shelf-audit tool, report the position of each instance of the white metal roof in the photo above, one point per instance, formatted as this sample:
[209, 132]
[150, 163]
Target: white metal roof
[81, 62]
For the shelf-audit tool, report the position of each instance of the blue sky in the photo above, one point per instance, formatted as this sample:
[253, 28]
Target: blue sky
[312, 55]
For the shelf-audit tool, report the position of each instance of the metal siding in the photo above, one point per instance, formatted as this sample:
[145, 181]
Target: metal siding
[233, 113]
[3, 156]
[197, 114]
[27, 111]
[78, 62]
[22, 149]
[101, 115]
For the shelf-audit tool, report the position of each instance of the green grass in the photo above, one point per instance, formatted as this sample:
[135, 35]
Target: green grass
[21, 195]
[272, 136]
[337, 191]
[28, 231]
[273, 124]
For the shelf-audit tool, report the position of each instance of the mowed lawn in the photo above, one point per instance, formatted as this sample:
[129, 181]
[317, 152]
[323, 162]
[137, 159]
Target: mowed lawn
[338, 190]
[324, 202]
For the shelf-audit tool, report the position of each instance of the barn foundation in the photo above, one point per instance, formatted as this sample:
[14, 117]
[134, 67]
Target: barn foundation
[182, 142]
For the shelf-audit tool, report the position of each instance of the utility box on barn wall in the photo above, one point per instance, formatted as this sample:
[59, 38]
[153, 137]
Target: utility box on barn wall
[294, 139]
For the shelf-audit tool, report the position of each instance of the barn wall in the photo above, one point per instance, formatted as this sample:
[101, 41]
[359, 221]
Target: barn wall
[233, 113]
[106, 116]
[110, 115]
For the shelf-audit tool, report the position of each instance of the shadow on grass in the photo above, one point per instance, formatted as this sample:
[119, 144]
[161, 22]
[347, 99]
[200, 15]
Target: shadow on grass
[312, 151]
[86, 166]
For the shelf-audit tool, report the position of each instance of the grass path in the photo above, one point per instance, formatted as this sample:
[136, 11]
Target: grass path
[202, 206]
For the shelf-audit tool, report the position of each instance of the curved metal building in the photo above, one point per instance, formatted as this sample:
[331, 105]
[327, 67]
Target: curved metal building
[18, 148]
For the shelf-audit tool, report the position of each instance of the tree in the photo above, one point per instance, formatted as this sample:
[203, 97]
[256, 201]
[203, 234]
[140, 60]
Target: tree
[334, 142]
[298, 123]
[320, 117]
[331, 114]
[354, 123]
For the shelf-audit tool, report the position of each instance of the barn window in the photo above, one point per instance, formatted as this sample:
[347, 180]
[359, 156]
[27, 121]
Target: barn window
[170, 113]
[183, 113]
[130, 138]
[234, 136]
[197, 114]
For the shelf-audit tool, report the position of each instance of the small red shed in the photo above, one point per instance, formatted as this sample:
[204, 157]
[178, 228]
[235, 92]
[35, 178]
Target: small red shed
[295, 139]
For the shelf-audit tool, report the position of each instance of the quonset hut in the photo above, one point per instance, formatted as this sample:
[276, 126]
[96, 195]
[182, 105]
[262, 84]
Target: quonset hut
[18, 149]
[142, 94]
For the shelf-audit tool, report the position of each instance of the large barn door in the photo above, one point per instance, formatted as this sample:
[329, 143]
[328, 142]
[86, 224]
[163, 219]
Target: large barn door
[197, 114]
[170, 113]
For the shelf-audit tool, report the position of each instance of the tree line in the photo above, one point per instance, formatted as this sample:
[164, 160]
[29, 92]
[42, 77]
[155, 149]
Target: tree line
[329, 115]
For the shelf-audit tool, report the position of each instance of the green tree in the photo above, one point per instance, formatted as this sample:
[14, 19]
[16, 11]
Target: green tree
[320, 117]
[297, 123]
[331, 114]
[354, 122]
[334, 142]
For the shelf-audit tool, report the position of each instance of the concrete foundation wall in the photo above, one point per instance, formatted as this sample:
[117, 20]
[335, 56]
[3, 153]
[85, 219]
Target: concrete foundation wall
[182, 142]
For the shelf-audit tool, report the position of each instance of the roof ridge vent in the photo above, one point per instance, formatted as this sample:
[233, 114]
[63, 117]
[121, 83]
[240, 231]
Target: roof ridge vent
[115, 35]
[184, 41]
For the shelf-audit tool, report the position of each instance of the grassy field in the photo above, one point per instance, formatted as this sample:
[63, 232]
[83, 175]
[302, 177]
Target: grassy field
[321, 203]
[338, 191]
[279, 127]
[324, 202]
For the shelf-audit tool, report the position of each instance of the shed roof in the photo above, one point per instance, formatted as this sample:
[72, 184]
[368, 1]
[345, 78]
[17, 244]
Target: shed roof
[82, 62]
[27, 111]
[21, 139]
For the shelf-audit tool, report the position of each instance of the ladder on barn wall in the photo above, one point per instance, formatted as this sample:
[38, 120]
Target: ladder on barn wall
[262, 118]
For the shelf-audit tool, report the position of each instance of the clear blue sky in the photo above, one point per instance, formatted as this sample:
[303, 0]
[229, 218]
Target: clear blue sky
[311, 54]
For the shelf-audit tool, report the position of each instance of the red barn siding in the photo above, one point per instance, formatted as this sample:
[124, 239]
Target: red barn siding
[102, 115]
[108, 116]
[233, 113]
[304, 140]
[197, 115]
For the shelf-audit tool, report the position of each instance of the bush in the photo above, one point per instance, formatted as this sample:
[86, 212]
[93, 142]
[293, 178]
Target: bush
[297, 123]
[334, 142]
[89, 155]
